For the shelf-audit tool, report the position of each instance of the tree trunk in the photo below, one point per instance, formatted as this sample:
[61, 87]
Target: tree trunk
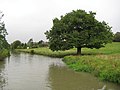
[78, 50]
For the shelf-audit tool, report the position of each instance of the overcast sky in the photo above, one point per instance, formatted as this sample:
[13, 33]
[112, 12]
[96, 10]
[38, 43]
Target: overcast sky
[27, 19]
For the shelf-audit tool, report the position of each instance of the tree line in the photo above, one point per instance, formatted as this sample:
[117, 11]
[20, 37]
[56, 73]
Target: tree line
[17, 44]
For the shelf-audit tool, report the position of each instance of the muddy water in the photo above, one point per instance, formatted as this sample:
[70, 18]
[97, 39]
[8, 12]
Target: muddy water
[33, 72]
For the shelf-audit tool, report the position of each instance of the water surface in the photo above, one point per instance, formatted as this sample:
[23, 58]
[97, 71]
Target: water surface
[34, 72]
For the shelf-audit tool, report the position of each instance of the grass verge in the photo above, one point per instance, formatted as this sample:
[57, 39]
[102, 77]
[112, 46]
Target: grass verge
[106, 67]
[47, 52]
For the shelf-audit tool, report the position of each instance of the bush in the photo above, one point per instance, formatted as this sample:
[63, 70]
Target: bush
[4, 53]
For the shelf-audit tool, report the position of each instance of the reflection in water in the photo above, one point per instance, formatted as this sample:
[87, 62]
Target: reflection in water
[3, 79]
[62, 78]
[33, 72]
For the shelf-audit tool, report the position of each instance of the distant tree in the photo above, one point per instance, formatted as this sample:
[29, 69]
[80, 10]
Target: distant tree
[30, 43]
[78, 29]
[16, 44]
[117, 37]
[25, 46]
[41, 42]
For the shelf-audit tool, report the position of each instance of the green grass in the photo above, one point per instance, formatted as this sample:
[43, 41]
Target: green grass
[103, 63]
[106, 67]
[112, 48]
[47, 52]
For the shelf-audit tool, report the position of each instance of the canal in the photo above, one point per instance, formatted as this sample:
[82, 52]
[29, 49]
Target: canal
[24, 71]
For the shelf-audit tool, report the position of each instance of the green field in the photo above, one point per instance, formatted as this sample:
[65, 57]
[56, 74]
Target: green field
[103, 63]
[112, 48]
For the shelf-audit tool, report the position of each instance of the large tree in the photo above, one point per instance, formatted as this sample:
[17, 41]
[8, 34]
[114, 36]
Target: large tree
[78, 29]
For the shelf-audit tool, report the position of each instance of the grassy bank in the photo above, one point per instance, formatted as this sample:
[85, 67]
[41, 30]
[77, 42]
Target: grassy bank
[106, 67]
[103, 63]
[47, 52]
[4, 53]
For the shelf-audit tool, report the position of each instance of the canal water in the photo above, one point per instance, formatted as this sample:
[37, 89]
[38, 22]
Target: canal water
[24, 71]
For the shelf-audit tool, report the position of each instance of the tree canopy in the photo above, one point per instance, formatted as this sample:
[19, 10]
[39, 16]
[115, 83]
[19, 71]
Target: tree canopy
[78, 29]
[16, 44]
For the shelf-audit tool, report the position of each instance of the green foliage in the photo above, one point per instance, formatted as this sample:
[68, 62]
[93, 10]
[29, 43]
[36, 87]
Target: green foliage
[16, 44]
[19, 45]
[30, 43]
[3, 42]
[78, 29]
[117, 37]
[23, 45]
[4, 53]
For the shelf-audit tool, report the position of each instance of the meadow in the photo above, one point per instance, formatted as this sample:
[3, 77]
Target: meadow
[112, 48]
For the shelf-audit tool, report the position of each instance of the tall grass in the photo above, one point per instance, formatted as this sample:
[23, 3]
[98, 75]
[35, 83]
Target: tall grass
[106, 67]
